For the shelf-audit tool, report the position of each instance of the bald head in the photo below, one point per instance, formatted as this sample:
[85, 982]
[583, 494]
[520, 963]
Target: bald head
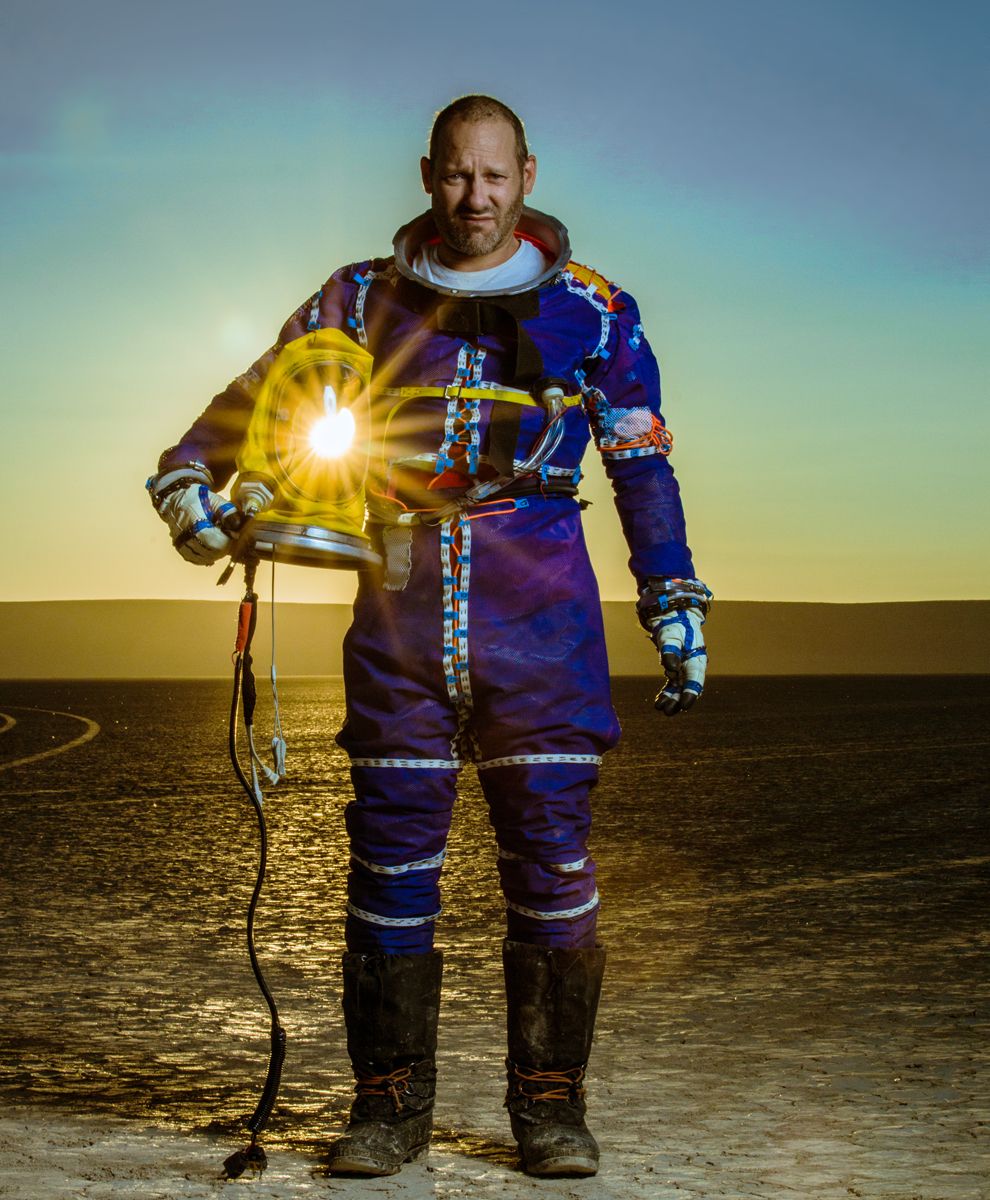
[473, 110]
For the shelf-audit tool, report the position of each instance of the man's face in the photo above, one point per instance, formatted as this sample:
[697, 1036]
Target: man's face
[477, 190]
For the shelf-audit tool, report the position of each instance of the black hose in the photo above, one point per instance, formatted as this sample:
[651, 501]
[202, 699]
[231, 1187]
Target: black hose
[244, 686]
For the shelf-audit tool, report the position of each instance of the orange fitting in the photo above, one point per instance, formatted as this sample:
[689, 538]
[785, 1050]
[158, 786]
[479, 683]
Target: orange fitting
[244, 614]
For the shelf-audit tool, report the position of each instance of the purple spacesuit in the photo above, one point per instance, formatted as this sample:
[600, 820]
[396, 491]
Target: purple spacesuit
[480, 639]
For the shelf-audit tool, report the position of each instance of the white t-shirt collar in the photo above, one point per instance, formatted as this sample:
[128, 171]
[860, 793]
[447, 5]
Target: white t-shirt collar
[525, 265]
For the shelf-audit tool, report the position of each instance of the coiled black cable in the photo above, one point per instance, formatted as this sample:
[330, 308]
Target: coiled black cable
[245, 696]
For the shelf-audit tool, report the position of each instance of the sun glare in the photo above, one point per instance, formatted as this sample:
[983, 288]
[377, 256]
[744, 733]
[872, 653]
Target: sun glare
[332, 435]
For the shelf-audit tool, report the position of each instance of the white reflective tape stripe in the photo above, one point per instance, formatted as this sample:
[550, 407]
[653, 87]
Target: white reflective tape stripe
[560, 868]
[567, 868]
[403, 922]
[452, 407]
[587, 290]
[362, 296]
[416, 764]
[462, 627]
[521, 759]
[642, 452]
[477, 359]
[603, 341]
[564, 914]
[450, 612]
[422, 864]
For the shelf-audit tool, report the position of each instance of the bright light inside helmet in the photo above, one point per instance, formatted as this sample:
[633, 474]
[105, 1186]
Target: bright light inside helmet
[332, 434]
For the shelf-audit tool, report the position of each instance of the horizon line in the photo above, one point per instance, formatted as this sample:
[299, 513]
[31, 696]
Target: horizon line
[232, 596]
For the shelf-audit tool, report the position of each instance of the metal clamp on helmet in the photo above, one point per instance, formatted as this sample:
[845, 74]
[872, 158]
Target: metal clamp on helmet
[661, 595]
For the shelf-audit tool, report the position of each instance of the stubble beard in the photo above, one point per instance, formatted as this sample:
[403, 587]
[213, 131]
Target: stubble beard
[476, 243]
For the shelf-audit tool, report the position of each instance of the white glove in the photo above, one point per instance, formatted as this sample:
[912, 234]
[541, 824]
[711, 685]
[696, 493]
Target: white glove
[683, 657]
[673, 612]
[195, 515]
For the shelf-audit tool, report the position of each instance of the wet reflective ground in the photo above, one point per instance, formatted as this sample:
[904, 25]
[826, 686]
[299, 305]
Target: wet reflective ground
[795, 902]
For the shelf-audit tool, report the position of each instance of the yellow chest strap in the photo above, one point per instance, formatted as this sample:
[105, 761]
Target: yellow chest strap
[453, 391]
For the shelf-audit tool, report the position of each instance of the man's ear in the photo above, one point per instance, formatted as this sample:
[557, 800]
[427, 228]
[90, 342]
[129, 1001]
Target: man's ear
[426, 170]
[529, 174]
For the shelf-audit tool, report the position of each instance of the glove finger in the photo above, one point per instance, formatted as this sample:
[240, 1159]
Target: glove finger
[204, 547]
[683, 658]
[694, 679]
[226, 516]
[668, 702]
[233, 521]
[208, 537]
[199, 554]
[193, 553]
[671, 651]
[694, 668]
[675, 636]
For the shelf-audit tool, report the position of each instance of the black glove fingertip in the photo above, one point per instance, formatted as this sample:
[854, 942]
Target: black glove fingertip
[233, 522]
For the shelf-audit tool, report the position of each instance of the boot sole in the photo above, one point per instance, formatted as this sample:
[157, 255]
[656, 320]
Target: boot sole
[574, 1165]
[353, 1165]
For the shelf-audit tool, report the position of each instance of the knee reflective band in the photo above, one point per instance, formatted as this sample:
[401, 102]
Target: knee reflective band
[540, 809]
[397, 825]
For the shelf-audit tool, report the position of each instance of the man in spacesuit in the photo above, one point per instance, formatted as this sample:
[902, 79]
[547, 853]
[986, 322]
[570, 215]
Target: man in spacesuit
[479, 640]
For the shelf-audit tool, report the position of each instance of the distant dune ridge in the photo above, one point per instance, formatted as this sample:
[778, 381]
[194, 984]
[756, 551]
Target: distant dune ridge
[134, 639]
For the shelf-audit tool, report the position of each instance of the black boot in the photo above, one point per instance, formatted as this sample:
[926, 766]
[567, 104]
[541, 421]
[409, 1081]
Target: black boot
[391, 1006]
[552, 998]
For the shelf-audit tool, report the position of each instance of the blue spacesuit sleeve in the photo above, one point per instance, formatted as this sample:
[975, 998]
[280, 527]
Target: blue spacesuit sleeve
[623, 401]
[215, 437]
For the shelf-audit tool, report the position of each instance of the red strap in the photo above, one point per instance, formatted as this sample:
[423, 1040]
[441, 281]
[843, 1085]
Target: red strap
[244, 614]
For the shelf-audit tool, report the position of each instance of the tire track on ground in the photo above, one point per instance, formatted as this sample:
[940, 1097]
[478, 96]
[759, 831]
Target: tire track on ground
[92, 729]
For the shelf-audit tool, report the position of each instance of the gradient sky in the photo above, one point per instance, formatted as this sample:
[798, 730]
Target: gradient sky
[796, 193]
